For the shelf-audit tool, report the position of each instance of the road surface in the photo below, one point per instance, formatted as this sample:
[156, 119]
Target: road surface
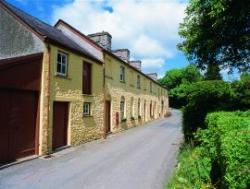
[139, 158]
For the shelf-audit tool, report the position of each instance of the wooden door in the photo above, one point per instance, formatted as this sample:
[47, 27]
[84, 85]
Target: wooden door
[4, 129]
[107, 116]
[60, 122]
[18, 118]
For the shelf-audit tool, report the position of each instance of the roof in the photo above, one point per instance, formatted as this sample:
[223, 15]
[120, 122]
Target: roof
[60, 21]
[46, 32]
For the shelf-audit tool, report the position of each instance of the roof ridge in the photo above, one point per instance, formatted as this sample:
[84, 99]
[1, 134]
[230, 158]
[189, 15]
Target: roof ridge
[45, 31]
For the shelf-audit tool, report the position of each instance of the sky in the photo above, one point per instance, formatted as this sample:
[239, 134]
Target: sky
[148, 28]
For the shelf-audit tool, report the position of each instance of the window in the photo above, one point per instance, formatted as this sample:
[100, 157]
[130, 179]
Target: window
[86, 78]
[138, 82]
[86, 108]
[132, 107]
[139, 107]
[122, 73]
[62, 64]
[122, 108]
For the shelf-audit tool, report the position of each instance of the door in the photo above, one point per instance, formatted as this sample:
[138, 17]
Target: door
[60, 122]
[18, 124]
[107, 116]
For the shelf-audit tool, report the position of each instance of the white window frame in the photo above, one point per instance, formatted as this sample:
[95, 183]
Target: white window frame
[61, 63]
[86, 108]
[122, 73]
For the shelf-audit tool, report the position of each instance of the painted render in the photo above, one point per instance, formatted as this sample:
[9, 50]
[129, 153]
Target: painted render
[69, 89]
[15, 39]
[115, 90]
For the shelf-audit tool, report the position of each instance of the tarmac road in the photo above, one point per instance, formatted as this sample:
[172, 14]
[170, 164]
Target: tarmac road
[139, 158]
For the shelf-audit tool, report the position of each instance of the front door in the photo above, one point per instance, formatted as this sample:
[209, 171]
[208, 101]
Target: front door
[107, 116]
[60, 122]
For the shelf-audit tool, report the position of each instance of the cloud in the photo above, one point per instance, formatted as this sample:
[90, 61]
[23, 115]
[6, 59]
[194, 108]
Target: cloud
[150, 63]
[148, 28]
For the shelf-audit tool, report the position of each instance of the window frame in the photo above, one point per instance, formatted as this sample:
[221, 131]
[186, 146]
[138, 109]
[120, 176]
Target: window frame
[88, 113]
[122, 109]
[138, 82]
[61, 64]
[122, 73]
[86, 90]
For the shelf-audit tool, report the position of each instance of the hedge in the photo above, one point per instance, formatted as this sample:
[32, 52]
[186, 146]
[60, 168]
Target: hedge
[227, 142]
[204, 97]
[222, 159]
[193, 170]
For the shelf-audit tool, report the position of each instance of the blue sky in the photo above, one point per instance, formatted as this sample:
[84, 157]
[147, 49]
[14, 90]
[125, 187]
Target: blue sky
[148, 28]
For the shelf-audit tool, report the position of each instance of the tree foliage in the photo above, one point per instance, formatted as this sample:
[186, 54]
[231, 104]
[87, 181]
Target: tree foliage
[177, 82]
[204, 97]
[242, 92]
[175, 77]
[217, 34]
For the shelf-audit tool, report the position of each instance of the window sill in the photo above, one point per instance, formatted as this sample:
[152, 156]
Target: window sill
[89, 95]
[62, 76]
[123, 82]
[87, 116]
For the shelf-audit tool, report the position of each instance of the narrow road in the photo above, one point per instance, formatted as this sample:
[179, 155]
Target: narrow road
[139, 158]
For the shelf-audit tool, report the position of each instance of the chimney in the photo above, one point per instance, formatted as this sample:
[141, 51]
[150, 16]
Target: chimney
[103, 39]
[123, 54]
[153, 76]
[136, 64]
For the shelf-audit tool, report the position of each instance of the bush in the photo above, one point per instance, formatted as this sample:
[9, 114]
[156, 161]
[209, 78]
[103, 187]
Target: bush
[178, 95]
[192, 171]
[204, 97]
[242, 92]
[227, 142]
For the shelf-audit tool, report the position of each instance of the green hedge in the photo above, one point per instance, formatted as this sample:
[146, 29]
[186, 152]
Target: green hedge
[193, 170]
[227, 141]
[204, 97]
[222, 159]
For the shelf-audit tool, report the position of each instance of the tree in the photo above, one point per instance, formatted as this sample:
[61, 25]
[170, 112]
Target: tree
[217, 34]
[175, 77]
[177, 82]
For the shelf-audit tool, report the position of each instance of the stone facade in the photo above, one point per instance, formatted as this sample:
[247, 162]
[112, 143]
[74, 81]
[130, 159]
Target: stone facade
[80, 128]
[116, 89]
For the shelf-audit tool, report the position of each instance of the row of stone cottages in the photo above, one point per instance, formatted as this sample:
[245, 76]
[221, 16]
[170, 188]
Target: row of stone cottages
[59, 87]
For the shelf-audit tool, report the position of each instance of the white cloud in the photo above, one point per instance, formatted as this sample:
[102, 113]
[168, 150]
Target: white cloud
[150, 63]
[148, 28]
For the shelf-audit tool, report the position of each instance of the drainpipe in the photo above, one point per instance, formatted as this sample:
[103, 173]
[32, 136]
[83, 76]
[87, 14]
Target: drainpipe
[47, 95]
[104, 98]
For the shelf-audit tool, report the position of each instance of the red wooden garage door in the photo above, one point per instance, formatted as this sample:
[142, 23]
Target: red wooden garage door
[60, 122]
[18, 114]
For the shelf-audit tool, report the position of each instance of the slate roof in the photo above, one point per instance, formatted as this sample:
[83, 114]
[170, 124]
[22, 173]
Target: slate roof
[46, 31]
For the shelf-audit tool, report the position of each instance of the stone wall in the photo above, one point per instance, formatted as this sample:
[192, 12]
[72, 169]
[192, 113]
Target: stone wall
[80, 128]
[116, 89]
